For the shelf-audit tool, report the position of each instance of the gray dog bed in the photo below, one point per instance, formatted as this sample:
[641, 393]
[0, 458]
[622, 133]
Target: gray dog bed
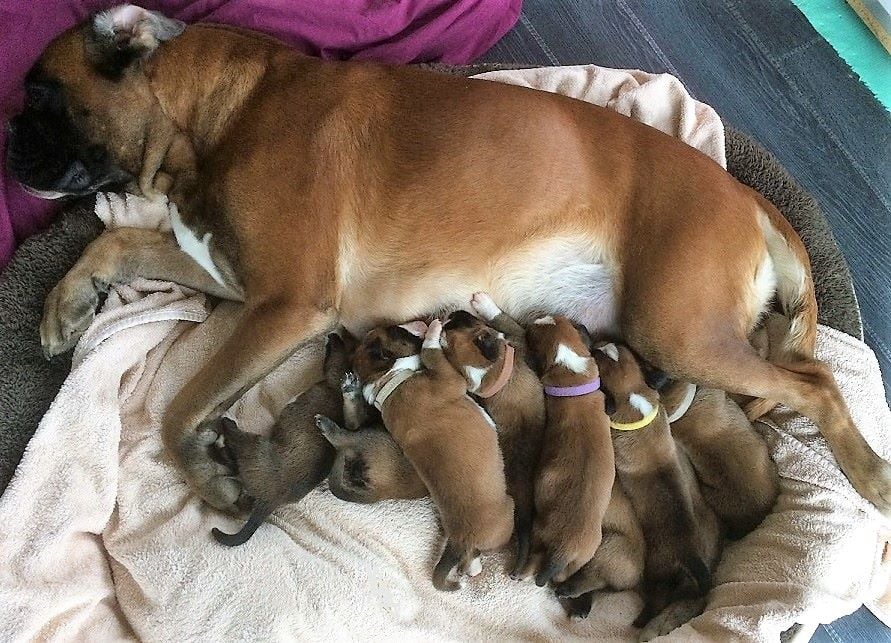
[28, 382]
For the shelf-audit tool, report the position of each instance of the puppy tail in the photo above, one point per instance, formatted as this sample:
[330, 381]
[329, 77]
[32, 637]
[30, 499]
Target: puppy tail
[446, 570]
[259, 514]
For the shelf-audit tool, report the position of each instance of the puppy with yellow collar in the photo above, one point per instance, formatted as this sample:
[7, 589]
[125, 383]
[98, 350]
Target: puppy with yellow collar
[450, 441]
[683, 535]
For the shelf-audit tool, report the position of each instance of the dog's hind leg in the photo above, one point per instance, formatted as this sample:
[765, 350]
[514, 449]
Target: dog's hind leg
[266, 334]
[116, 256]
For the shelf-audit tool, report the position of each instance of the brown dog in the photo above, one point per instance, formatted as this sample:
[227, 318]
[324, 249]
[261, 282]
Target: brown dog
[298, 185]
[369, 466]
[492, 357]
[576, 471]
[683, 535]
[450, 441]
[291, 462]
[737, 477]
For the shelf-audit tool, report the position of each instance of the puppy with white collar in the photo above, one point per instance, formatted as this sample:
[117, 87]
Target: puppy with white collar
[683, 535]
[491, 355]
[451, 442]
[576, 471]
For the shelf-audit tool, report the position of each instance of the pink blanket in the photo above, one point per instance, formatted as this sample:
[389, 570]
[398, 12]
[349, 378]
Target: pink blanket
[403, 31]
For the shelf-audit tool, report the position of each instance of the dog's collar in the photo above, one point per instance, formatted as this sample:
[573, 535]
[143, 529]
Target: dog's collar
[573, 391]
[685, 404]
[641, 423]
[388, 383]
[507, 369]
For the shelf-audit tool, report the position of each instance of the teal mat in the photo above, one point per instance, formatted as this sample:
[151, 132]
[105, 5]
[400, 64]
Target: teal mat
[842, 28]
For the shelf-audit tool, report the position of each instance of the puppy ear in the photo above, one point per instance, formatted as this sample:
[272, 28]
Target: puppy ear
[124, 34]
[417, 328]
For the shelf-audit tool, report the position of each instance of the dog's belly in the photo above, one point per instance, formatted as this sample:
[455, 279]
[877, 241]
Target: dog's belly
[563, 275]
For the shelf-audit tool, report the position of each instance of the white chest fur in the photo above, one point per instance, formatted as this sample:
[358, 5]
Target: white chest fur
[198, 249]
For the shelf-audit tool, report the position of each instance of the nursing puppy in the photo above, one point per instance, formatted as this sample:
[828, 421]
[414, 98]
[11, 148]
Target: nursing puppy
[576, 471]
[491, 355]
[683, 535]
[284, 467]
[737, 477]
[448, 438]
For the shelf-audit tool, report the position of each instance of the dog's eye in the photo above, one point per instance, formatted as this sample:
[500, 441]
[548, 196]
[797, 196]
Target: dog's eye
[376, 351]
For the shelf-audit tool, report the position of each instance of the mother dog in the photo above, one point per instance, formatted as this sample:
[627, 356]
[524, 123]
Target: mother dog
[322, 192]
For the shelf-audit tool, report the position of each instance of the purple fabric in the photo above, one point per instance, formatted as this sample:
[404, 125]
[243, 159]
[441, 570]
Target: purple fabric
[397, 31]
[573, 391]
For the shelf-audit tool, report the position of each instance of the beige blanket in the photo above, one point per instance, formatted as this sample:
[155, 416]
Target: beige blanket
[101, 539]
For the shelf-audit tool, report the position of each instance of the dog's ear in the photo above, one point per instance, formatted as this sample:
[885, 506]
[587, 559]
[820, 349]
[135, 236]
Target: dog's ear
[126, 33]
[418, 328]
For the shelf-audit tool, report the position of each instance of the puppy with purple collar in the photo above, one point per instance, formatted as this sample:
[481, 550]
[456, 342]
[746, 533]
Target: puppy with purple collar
[448, 438]
[576, 468]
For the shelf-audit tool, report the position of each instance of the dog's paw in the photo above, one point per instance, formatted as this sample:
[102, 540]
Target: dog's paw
[873, 481]
[68, 311]
[484, 306]
[350, 385]
[214, 481]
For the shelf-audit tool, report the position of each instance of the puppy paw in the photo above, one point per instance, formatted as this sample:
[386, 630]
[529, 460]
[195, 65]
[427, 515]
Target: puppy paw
[434, 334]
[350, 385]
[671, 618]
[484, 306]
[68, 311]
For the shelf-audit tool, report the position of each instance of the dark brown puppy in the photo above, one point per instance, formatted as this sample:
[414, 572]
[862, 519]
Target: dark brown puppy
[683, 535]
[448, 438]
[576, 471]
[298, 183]
[284, 467]
[491, 355]
[737, 477]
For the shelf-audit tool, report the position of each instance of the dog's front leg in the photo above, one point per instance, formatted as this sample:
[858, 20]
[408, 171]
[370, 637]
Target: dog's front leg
[117, 256]
[267, 333]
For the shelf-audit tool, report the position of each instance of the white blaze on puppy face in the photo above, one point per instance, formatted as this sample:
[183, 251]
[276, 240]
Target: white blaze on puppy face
[640, 403]
[545, 321]
[475, 377]
[198, 249]
[410, 363]
[570, 359]
[610, 350]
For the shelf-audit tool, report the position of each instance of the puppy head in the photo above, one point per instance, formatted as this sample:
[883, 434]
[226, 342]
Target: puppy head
[88, 104]
[559, 351]
[474, 348]
[370, 466]
[381, 347]
[623, 381]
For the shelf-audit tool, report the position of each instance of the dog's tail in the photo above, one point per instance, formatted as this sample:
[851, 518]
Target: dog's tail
[258, 516]
[795, 285]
